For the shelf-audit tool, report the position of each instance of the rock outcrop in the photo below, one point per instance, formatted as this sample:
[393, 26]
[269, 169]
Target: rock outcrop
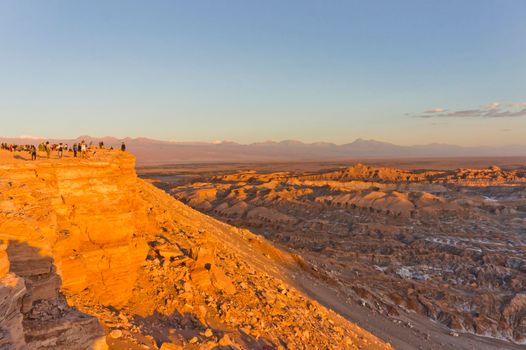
[33, 312]
[12, 290]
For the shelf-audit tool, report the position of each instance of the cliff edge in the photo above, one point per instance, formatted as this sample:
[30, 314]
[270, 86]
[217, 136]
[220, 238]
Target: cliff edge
[93, 257]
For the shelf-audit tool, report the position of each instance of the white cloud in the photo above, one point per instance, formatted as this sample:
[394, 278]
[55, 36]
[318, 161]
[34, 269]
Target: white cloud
[435, 110]
[31, 137]
[490, 110]
[492, 105]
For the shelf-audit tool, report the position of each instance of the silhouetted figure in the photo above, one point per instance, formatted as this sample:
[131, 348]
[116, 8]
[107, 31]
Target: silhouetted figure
[48, 149]
[33, 153]
[123, 147]
[75, 150]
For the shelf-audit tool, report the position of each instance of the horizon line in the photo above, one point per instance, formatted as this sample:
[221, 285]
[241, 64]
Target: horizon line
[220, 142]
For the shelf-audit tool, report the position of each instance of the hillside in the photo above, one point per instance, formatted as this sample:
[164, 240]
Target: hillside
[94, 258]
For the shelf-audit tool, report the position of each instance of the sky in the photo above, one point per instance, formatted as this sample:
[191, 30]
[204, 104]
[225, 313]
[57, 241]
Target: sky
[406, 71]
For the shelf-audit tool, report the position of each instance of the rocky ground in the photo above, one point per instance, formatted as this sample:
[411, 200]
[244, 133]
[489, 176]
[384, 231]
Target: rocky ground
[448, 245]
[91, 257]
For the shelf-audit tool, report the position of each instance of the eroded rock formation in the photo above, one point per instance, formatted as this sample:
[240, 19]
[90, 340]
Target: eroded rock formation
[449, 245]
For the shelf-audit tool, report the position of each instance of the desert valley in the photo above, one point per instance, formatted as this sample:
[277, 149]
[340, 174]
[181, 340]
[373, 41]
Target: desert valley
[447, 245]
[262, 175]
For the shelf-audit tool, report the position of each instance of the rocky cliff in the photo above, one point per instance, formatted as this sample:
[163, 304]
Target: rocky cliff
[93, 257]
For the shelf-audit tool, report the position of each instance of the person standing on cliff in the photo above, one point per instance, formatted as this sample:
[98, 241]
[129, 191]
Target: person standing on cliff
[60, 149]
[83, 149]
[48, 149]
[123, 147]
[33, 153]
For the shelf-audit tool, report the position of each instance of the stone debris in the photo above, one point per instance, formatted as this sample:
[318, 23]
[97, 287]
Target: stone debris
[116, 333]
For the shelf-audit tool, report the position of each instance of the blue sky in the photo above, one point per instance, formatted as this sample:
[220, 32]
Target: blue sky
[257, 70]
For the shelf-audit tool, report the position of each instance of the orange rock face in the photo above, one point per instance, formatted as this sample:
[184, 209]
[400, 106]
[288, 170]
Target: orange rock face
[87, 215]
[86, 243]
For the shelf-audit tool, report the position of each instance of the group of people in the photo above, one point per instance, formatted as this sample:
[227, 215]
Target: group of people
[78, 149]
[81, 148]
[48, 148]
[20, 148]
[15, 148]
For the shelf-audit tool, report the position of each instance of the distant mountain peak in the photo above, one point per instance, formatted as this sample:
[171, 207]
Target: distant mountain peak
[370, 141]
[291, 142]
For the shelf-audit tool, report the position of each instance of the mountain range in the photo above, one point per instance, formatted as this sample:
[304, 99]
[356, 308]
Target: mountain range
[155, 152]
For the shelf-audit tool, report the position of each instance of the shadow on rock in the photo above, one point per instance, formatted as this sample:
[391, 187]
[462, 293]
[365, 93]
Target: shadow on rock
[33, 311]
[187, 331]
